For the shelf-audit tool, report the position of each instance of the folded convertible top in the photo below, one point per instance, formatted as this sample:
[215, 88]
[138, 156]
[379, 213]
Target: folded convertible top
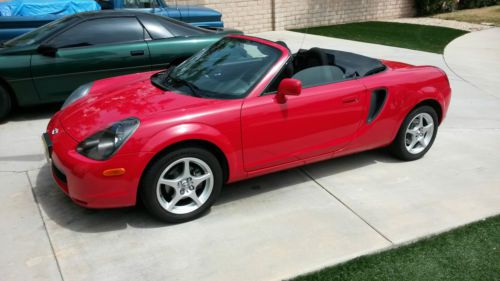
[364, 66]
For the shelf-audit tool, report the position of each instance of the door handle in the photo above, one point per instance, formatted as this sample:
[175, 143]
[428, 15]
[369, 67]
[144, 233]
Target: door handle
[350, 100]
[137, 53]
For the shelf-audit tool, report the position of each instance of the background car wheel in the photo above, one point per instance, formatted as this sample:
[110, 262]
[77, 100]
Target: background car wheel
[416, 135]
[5, 103]
[181, 185]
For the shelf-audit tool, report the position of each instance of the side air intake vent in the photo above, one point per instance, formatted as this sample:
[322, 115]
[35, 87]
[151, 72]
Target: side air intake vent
[377, 102]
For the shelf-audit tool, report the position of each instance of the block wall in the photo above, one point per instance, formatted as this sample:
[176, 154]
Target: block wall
[265, 15]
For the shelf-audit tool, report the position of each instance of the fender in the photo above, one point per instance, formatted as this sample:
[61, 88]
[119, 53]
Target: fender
[201, 132]
[410, 105]
[440, 93]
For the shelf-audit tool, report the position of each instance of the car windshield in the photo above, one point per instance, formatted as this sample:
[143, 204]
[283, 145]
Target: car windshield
[228, 69]
[38, 34]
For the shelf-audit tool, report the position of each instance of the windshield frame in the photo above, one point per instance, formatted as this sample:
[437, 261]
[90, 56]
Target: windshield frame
[276, 54]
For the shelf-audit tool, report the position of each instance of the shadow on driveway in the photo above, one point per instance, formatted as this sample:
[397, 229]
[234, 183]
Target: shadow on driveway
[62, 211]
[33, 113]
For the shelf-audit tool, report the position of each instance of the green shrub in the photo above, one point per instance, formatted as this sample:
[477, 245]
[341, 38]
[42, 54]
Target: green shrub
[469, 4]
[430, 7]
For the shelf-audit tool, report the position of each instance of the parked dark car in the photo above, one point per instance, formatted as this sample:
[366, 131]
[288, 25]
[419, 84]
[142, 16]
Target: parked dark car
[26, 15]
[47, 64]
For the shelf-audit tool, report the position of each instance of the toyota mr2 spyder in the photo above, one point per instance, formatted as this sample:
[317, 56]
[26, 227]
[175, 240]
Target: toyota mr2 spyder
[241, 108]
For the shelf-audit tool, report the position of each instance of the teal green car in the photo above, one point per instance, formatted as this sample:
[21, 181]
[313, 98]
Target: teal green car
[47, 64]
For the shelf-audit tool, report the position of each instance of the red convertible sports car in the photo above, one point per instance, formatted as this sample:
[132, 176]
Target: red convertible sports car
[240, 108]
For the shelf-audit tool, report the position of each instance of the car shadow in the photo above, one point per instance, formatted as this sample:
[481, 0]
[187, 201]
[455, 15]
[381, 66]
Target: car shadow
[58, 208]
[32, 113]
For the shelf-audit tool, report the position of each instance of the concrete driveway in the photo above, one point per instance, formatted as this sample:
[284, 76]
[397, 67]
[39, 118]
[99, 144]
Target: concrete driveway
[268, 228]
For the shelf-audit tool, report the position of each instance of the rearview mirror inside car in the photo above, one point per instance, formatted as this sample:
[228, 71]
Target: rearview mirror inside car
[288, 87]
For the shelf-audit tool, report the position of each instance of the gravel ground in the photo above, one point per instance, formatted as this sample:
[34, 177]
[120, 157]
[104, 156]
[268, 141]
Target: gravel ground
[443, 23]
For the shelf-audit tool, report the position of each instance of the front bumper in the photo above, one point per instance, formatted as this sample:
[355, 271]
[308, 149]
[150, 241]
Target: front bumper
[82, 178]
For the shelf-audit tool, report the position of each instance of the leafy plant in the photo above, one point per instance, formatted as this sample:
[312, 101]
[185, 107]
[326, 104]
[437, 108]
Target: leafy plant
[469, 4]
[430, 7]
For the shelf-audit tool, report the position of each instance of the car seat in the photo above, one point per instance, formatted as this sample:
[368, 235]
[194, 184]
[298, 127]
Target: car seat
[311, 58]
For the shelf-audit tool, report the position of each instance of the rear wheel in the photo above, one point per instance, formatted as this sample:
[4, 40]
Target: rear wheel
[5, 103]
[416, 135]
[181, 185]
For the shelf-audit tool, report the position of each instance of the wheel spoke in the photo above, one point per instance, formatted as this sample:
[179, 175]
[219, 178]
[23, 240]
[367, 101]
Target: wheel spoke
[414, 142]
[174, 202]
[195, 198]
[412, 132]
[429, 128]
[186, 172]
[171, 183]
[423, 142]
[420, 121]
[198, 180]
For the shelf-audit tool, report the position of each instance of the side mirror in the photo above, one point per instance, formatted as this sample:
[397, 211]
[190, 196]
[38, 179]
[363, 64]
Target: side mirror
[47, 50]
[288, 87]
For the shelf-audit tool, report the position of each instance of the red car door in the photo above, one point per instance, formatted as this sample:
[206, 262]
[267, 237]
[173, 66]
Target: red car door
[322, 119]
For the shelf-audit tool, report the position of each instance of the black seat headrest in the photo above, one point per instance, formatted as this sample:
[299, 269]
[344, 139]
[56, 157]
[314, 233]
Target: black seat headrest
[310, 58]
[317, 57]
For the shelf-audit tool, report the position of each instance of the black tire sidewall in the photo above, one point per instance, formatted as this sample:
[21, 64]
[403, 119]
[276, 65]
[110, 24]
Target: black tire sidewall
[152, 174]
[5, 103]
[398, 147]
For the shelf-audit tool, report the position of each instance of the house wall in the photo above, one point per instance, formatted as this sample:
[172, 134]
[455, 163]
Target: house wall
[265, 15]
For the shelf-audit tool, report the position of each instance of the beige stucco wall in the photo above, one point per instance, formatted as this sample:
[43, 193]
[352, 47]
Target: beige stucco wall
[264, 15]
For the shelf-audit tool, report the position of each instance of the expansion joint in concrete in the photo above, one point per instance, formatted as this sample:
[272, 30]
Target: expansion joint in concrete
[347, 206]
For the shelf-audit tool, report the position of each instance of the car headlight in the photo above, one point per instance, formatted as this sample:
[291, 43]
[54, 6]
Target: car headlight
[77, 94]
[104, 144]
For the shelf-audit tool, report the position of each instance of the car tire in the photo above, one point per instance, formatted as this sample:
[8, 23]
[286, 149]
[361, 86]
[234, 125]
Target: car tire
[169, 193]
[416, 135]
[5, 103]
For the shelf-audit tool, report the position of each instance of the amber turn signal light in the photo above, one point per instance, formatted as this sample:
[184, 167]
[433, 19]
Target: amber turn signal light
[113, 172]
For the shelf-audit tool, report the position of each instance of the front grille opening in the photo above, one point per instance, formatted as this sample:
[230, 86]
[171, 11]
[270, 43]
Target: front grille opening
[59, 175]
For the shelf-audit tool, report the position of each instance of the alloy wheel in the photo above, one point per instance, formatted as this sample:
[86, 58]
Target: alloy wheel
[419, 133]
[185, 185]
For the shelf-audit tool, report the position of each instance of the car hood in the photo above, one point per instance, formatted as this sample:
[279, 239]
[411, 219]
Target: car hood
[198, 14]
[22, 50]
[117, 98]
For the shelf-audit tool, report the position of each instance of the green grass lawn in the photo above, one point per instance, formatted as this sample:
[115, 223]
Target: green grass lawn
[465, 254]
[410, 36]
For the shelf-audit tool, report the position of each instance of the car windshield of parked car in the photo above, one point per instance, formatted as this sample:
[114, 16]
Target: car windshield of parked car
[228, 69]
[140, 4]
[37, 35]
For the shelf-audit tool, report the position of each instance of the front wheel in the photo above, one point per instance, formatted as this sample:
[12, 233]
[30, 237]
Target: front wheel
[416, 135]
[5, 103]
[181, 185]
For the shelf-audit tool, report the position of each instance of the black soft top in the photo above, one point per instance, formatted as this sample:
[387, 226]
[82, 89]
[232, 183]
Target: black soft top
[363, 66]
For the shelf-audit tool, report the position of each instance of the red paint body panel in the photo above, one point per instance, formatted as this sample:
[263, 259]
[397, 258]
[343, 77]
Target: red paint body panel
[256, 134]
[318, 121]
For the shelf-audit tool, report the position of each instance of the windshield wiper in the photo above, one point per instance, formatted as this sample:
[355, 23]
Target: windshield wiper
[192, 87]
